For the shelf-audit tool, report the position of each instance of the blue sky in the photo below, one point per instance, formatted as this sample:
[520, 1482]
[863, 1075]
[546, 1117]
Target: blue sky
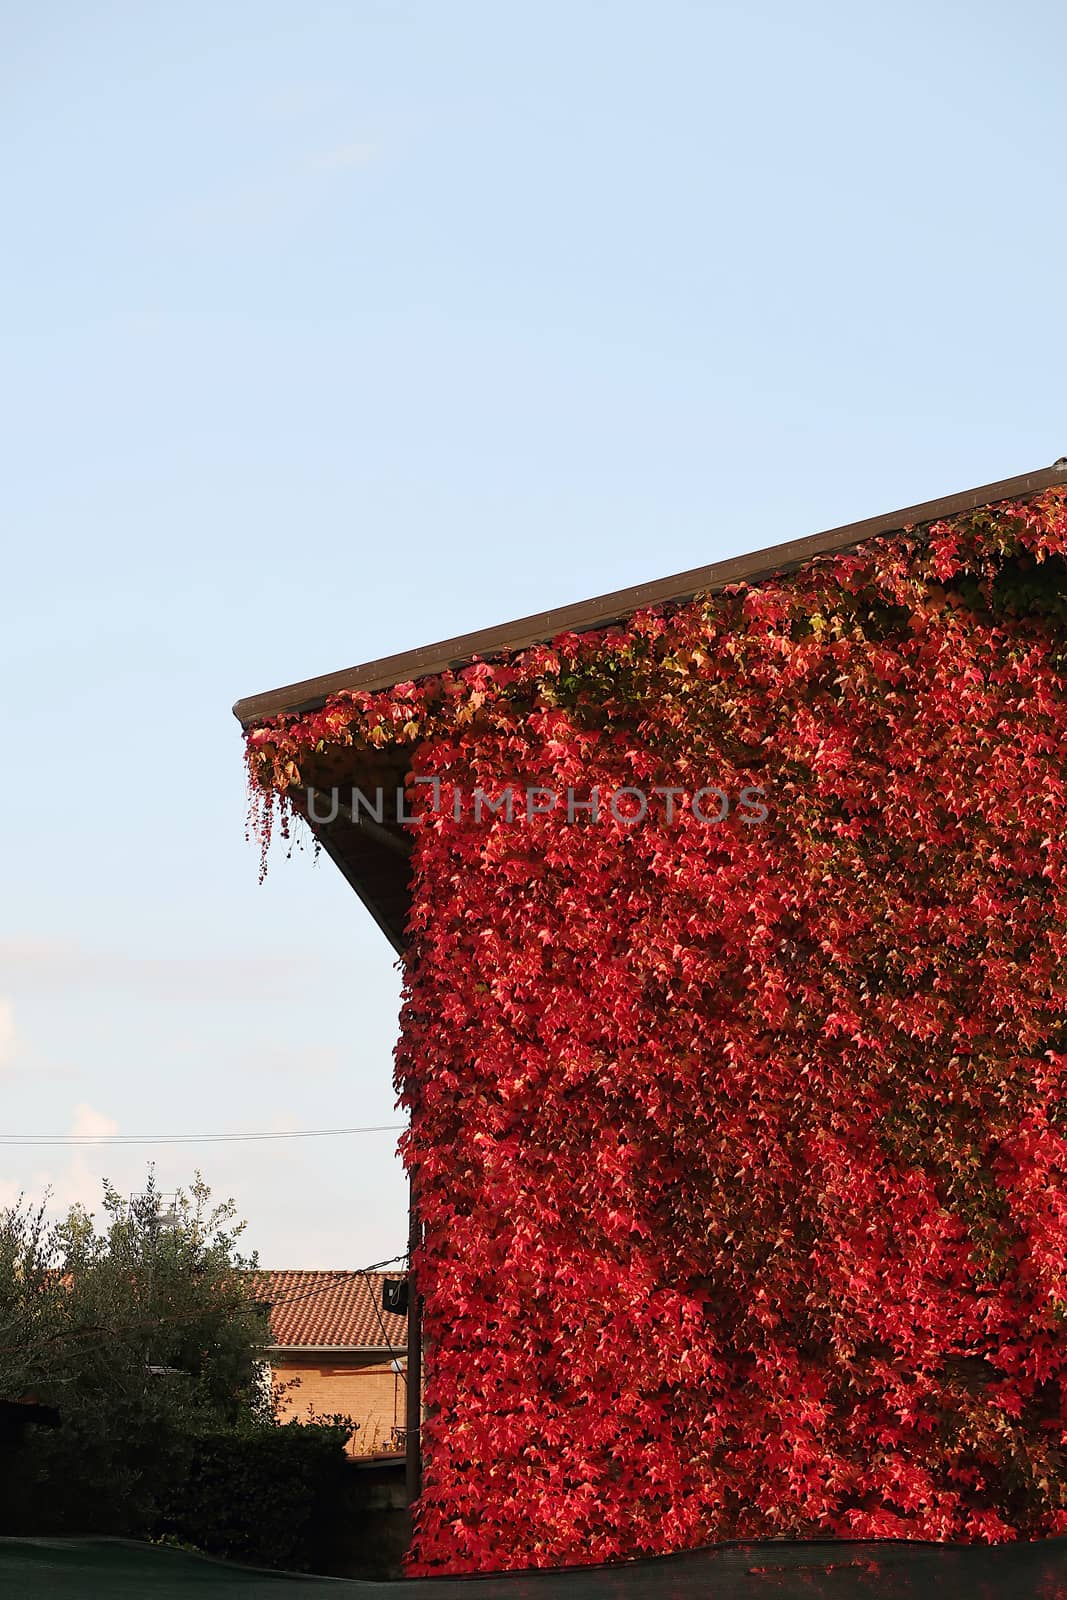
[335, 329]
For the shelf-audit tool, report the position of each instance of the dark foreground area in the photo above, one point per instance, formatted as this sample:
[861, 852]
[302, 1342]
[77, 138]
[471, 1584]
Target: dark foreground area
[101, 1569]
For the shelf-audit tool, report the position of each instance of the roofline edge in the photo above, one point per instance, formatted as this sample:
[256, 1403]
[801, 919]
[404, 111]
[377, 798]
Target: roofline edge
[334, 1349]
[585, 615]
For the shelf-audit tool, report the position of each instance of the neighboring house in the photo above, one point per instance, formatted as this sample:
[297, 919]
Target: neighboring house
[333, 1349]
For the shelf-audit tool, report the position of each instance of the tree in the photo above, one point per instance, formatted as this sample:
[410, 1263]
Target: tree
[170, 1295]
[30, 1291]
[144, 1331]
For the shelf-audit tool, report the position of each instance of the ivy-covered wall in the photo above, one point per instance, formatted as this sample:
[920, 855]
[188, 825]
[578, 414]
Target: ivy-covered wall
[742, 1144]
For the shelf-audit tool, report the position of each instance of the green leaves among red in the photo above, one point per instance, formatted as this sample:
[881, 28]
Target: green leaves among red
[742, 1151]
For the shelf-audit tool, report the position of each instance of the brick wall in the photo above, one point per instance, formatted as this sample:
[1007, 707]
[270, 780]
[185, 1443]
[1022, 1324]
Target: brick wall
[366, 1390]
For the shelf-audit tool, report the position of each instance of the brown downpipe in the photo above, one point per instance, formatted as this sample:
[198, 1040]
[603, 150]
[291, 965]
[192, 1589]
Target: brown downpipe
[413, 1411]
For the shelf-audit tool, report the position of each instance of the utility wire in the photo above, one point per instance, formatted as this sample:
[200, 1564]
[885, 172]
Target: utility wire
[15, 1140]
[330, 1281]
[74, 1335]
[393, 1356]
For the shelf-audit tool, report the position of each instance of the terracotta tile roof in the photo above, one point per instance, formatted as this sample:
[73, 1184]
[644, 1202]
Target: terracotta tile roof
[330, 1310]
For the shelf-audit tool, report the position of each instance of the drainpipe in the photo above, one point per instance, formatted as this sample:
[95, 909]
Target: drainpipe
[413, 1411]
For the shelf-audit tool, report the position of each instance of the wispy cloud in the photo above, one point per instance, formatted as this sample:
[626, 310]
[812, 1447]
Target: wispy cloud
[7, 1034]
[20, 1057]
[90, 1124]
[345, 155]
[79, 1183]
[76, 1182]
[310, 1061]
[275, 197]
[29, 949]
[58, 962]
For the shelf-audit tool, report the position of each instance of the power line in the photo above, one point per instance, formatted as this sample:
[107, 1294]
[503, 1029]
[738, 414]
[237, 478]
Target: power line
[76, 1139]
[330, 1281]
[365, 1274]
[74, 1335]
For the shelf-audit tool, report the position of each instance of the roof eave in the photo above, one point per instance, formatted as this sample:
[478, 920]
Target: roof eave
[603, 610]
[337, 1349]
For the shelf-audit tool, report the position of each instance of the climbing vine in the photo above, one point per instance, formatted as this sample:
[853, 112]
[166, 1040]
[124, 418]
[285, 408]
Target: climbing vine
[741, 1148]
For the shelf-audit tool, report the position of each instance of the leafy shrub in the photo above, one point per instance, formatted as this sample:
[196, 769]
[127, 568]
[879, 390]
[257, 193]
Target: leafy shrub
[262, 1496]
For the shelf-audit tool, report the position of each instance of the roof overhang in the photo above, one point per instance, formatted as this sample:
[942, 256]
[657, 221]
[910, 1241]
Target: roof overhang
[306, 1351]
[374, 857]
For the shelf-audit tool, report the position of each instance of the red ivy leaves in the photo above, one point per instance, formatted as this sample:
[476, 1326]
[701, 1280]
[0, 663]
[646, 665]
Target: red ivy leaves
[741, 1150]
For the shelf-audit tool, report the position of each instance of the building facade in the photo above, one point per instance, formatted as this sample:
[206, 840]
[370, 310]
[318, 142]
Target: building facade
[734, 917]
[335, 1351]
